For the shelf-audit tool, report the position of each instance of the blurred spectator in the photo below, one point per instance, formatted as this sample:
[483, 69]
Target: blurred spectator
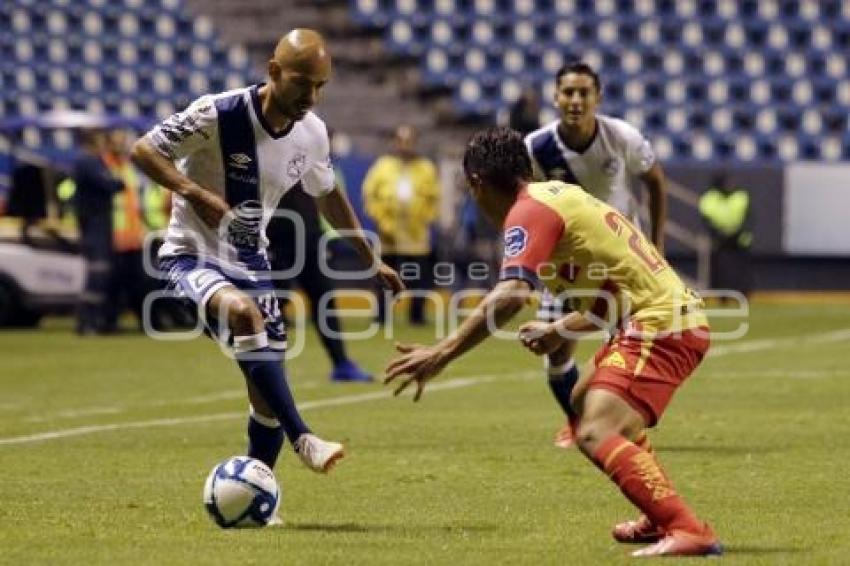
[401, 194]
[476, 242]
[726, 213]
[94, 188]
[128, 284]
[28, 195]
[284, 244]
[525, 113]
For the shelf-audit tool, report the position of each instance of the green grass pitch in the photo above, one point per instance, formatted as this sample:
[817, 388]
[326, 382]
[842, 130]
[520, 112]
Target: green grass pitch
[758, 442]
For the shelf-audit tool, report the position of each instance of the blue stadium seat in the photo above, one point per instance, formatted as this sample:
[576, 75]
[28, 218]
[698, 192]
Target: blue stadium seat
[766, 122]
[810, 147]
[788, 118]
[835, 120]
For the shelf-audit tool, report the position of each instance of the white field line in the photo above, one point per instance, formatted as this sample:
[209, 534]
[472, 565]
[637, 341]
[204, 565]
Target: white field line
[305, 406]
[716, 351]
[76, 413]
[790, 373]
[771, 343]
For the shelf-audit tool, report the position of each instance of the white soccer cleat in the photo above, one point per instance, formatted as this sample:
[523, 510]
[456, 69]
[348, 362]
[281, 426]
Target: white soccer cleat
[317, 454]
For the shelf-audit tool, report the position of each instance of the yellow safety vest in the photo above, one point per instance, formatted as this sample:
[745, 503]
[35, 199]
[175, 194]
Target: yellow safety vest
[155, 206]
[65, 193]
[727, 212]
[128, 230]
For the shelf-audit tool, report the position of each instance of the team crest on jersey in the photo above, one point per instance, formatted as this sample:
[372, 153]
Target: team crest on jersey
[611, 167]
[239, 160]
[295, 167]
[516, 240]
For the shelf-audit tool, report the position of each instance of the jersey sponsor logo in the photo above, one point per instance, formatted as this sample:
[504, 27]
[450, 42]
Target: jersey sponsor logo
[295, 167]
[516, 240]
[239, 160]
[244, 229]
[250, 179]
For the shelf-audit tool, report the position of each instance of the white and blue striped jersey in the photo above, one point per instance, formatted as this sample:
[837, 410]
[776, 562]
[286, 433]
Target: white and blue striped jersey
[223, 143]
[609, 168]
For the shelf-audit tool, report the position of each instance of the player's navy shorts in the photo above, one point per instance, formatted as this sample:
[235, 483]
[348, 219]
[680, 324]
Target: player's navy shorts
[197, 279]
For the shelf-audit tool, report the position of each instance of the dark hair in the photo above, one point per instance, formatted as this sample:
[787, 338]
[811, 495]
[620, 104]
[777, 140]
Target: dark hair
[579, 68]
[499, 157]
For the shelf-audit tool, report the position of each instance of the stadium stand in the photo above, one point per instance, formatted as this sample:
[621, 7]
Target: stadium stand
[774, 83]
[135, 58]
[774, 72]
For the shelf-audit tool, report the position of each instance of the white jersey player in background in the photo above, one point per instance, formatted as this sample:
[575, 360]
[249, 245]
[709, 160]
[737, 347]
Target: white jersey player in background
[610, 159]
[236, 154]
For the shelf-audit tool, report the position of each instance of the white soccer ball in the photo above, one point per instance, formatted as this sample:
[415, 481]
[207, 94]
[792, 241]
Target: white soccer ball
[241, 492]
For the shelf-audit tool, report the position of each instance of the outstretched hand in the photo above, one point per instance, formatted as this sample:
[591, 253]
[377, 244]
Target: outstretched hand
[417, 364]
[540, 337]
[389, 278]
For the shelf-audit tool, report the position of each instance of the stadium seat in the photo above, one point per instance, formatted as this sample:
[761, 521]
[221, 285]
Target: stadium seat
[766, 121]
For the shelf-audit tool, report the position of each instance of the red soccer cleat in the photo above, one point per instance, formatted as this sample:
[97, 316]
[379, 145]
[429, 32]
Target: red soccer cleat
[641, 531]
[681, 543]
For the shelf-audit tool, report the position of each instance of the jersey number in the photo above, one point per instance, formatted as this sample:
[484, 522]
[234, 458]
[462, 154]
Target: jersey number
[617, 222]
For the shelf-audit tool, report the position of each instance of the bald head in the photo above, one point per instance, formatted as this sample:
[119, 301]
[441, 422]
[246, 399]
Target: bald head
[303, 50]
[405, 141]
[299, 68]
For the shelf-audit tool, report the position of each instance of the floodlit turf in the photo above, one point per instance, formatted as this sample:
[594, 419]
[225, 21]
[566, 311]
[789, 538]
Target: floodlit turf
[757, 441]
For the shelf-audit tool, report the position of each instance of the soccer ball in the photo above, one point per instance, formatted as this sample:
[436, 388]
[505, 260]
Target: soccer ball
[241, 492]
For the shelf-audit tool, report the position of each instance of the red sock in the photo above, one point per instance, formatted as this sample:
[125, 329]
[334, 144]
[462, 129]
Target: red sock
[643, 482]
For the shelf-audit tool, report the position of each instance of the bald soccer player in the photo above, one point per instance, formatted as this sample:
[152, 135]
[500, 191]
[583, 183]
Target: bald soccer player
[229, 158]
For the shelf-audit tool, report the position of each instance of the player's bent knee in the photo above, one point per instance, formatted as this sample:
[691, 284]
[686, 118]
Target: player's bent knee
[244, 316]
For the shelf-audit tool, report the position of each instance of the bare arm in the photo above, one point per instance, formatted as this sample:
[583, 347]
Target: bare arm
[335, 207]
[545, 337]
[656, 184]
[422, 363]
[499, 306]
[209, 206]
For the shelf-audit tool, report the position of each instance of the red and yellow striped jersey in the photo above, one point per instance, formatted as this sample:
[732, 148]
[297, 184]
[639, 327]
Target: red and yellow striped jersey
[591, 257]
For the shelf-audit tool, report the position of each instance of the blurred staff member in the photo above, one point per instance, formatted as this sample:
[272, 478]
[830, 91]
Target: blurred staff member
[316, 284]
[726, 213]
[128, 285]
[525, 113]
[401, 195]
[94, 189]
[156, 207]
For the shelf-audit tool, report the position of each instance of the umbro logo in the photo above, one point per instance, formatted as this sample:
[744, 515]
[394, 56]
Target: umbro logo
[239, 160]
